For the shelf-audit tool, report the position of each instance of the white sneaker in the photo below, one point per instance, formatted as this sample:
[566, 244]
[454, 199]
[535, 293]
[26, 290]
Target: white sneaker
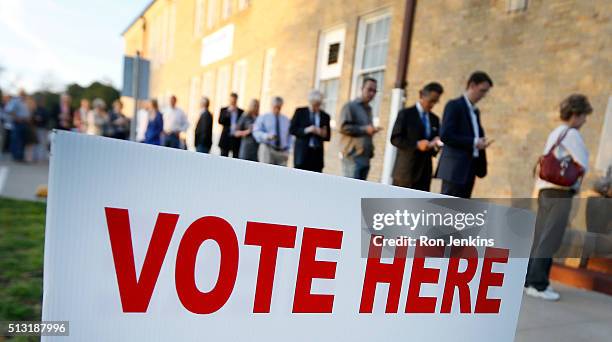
[548, 294]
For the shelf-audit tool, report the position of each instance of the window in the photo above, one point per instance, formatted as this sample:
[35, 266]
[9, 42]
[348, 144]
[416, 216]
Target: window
[161, 42]
[243, 4]
[222, 89]
[266, 79]
[208, 84]
[329, 68]
[604, 154]
[330, 88]
[516, 5]
[227, 9]
[193, 113]
[239, 81]
[371, 55]
[198, 18]
[212, 13]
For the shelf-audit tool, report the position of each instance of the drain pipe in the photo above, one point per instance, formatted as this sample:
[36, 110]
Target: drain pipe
[399, 90]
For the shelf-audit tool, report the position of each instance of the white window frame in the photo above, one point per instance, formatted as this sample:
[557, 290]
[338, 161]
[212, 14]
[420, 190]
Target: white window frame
[226, 9]
[198, 19]
[516, 5]
[243, 4]
[266, 79]
[212, 13]
[239, 80]
[222, 86]
[359, 52]
[193, 111]
[322, 53]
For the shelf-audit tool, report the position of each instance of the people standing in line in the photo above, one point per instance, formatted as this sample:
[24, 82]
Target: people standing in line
[228, 118]
[416, 134]
[5, 125]
[20, 116]
[142, 118]
[310, 126]
[81, 117]
[357, 130]
[63, 115]
[119, 123]
[203, 131]
[40, 119]
[271, 130]
[155, 124]
[175, 123]
[555, 201]
[463, 156]
[98, 120]
[244, 131]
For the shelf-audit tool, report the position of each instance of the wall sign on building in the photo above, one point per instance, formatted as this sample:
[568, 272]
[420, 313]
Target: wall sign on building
[217, 45]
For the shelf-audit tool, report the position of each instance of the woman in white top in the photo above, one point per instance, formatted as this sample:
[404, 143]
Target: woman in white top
[554, 201]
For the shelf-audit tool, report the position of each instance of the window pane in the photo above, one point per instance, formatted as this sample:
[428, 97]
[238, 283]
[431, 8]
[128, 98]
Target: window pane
[330, 88]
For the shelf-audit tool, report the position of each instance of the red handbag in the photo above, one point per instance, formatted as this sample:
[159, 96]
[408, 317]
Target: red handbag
[562, 172]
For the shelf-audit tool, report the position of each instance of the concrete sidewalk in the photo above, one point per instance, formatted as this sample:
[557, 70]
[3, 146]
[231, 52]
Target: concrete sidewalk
[20, 180]
[579, 315]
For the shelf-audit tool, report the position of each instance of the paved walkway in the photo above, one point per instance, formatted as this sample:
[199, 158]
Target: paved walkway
[579, 315]
[20, 180]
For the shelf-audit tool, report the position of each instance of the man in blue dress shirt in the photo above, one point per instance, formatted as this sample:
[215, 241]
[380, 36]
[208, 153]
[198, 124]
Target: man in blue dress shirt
[271, 131]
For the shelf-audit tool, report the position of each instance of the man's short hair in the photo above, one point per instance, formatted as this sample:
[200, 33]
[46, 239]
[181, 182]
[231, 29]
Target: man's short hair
[234, 95]
[368, 79]
[205, 99]
[432, 87]
[575, 104]
[478, 77]
[276, 101]
[315, 96]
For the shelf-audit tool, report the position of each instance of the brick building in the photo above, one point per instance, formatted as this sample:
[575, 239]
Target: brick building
[536, 51]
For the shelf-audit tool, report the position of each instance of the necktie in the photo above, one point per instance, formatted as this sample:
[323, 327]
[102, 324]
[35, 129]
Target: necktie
[314, 141]
[278, 133]
[425, 119]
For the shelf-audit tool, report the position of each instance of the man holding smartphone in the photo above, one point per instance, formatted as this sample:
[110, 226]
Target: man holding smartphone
[463, 156]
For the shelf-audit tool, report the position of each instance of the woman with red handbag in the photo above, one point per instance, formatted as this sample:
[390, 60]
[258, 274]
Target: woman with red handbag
[561, 169]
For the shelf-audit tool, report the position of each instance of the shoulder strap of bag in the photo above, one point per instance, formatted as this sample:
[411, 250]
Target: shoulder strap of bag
[559, 140]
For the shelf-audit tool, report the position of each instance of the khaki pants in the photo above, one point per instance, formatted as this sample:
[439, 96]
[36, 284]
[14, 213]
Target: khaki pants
[269, 155]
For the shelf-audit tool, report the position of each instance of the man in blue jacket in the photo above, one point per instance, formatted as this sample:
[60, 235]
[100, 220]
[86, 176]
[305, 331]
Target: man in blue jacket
[463, 156]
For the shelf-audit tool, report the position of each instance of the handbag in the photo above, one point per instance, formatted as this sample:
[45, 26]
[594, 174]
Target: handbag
[562, 172]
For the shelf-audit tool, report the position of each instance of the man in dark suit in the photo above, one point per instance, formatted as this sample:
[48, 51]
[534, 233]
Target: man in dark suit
[416, 136]
[463, 155]
[228, 118]
[203, 131]
[310, 126]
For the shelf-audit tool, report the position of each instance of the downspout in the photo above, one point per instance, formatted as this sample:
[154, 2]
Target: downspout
[399, 90]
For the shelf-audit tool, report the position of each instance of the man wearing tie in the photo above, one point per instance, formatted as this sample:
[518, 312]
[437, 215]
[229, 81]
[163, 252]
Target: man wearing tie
[228, 118]
[463, 155]
[310, 126]
[271, 131]
[416, 136]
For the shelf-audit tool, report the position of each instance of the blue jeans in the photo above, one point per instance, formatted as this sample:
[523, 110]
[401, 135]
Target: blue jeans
[18, 136]
[172, 140]
[356, 167]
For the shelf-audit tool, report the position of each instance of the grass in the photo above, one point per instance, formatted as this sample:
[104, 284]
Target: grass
[22, 226]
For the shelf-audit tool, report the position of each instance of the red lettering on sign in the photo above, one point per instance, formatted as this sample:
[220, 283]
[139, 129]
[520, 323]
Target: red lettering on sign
[206, 228]
[422, 275]
[377, 272]
[488, 278]
[459, 280]
[270, 237]
[136, 293]
[304, 301]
